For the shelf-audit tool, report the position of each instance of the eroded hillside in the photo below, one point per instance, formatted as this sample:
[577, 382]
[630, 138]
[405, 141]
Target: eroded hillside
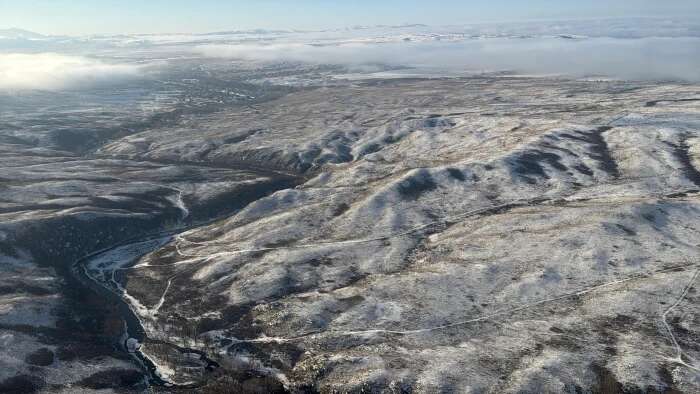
[496, 234]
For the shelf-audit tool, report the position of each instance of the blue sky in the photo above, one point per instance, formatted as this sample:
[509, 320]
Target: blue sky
[77, 17]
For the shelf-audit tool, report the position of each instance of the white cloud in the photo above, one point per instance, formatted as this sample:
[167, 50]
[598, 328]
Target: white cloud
[51, 71]
[639, 58]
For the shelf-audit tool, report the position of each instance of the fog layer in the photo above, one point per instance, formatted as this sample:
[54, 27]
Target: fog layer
[641, 58]
[51, 71]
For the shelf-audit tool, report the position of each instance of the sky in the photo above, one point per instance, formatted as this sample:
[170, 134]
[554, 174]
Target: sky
[84, 17]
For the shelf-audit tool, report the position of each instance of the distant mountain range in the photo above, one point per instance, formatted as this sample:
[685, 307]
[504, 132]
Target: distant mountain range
[572, 29]
[15, 33]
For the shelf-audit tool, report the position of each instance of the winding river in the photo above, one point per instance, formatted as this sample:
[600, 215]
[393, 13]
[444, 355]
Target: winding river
[80, 278]
[133, 327]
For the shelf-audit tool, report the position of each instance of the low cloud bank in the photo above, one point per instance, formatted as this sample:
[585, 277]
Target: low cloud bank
[50, 71]
[652, 58]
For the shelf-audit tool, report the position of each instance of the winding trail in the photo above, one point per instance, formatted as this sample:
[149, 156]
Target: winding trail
[664, 316]
[161, 301]
[445, 221]
[485, 317]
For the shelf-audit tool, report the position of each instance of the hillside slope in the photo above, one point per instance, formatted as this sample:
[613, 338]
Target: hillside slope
[453, 235]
